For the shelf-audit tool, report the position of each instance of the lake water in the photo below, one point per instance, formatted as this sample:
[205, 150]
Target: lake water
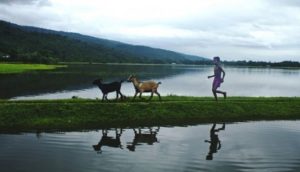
[76, 80]
[251, 146]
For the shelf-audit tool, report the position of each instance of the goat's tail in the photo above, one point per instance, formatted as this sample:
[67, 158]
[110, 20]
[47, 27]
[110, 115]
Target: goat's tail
[159, 83]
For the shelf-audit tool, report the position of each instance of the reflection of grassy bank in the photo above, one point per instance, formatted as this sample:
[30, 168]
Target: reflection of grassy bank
[87, 114]
[6, 68]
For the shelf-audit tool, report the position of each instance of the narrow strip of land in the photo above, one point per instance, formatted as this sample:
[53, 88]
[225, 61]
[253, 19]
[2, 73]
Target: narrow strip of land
[9, 68]
[79, 114]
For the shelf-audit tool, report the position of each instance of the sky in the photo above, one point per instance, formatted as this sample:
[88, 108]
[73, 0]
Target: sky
[267, 30]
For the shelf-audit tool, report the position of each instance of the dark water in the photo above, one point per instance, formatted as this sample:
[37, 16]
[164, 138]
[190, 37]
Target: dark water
[178, 80]
[253, 146]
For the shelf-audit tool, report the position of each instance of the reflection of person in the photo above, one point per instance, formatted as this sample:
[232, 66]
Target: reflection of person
[217, 78]
[215, 143]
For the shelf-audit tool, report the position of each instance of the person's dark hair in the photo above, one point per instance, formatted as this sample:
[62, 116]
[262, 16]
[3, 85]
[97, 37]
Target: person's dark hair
[217, 58]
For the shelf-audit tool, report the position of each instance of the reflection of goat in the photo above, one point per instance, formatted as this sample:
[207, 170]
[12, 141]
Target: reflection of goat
[140, 137]
[109, 141]
[215, 143]
[147, 86]
[110, 87]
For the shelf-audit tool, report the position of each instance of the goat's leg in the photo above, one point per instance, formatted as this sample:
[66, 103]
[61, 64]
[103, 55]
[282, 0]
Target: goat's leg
[122, 96]
[151, 95]
[106, 97]
[134, 131]
[104, 132]
[134, 95]
[119, 133]
[117, 95]
[158, 95]
[103, 97]
[140, 95]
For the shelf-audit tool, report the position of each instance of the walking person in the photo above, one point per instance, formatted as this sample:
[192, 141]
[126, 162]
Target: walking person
[218, 71]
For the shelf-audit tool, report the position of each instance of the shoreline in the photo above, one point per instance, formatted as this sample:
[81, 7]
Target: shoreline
[85, 114]
[169, 64]
[16, 68]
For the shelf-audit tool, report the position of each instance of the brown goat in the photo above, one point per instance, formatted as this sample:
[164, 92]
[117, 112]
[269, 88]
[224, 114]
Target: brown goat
[146, 86]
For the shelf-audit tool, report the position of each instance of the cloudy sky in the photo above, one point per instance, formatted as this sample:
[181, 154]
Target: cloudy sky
[232, 29]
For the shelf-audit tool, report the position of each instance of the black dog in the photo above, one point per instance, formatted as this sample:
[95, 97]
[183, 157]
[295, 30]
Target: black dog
[109, 87]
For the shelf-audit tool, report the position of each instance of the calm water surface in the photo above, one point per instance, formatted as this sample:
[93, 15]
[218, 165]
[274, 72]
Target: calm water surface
[178, 80]
[253, 146]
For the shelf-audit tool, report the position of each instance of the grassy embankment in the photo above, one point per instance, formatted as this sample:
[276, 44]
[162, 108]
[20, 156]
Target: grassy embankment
[173, 110]
[7, 68]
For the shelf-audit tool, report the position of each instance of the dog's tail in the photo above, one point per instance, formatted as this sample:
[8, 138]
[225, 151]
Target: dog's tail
[159, 83]
[122, 80]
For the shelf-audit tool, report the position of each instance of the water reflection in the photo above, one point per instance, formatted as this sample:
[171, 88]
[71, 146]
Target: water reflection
[140, 137]
[109, 141]
[269, 146]
[215, 143]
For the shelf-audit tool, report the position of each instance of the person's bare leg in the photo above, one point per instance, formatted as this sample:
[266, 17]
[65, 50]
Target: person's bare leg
[222, 92]
[215, 94]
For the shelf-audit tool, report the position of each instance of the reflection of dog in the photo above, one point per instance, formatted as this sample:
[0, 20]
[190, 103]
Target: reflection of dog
[215, 143]
[108, 141]
[140, 137]
[109, 87]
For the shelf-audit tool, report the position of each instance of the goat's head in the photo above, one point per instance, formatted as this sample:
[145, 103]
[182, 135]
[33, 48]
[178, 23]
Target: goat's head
[97, 148]
[131, 78]
[97, 81]
[131, 147]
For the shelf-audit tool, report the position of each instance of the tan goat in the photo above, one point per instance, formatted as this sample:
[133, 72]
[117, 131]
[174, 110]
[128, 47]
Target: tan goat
[146, 86]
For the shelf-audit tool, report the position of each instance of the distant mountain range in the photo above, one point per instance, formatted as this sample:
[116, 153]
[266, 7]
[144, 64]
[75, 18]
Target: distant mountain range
[32, 44]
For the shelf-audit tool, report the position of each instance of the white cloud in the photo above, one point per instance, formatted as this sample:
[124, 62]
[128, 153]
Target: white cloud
[233, 29]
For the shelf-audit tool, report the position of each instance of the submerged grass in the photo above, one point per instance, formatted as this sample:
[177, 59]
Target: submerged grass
[173, 110]
[7, 68]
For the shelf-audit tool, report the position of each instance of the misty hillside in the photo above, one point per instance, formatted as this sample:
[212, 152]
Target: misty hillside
[31, 44]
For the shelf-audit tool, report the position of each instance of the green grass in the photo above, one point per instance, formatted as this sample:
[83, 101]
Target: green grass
[173, 110]
[6, 68]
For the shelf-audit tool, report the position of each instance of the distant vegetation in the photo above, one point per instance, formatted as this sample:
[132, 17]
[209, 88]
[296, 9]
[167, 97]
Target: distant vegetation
[36, 45]
[254, 63]
[19, 68]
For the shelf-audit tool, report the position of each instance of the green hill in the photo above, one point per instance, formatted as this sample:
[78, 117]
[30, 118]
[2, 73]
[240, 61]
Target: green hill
[32, 44]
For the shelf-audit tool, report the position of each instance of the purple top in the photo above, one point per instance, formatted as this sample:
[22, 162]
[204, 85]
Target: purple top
[218, 72]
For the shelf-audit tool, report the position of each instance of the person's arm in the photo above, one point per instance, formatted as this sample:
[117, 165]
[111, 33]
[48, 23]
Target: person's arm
[207, 141]
[219, 147]
[210, 76]
[223, 74]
